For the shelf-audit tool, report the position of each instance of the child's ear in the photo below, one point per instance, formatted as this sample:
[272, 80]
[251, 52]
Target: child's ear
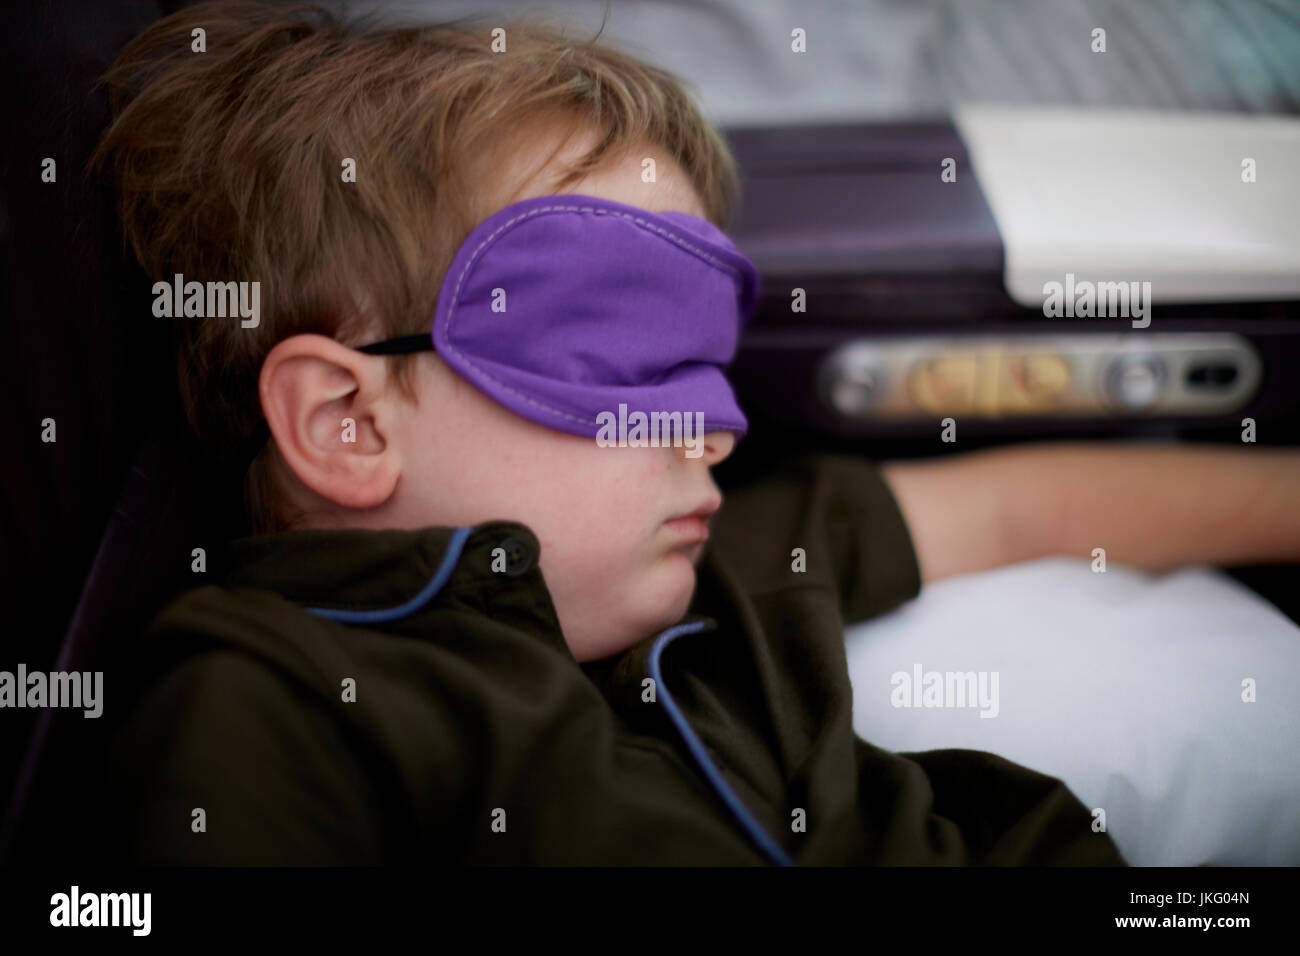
[332, 417]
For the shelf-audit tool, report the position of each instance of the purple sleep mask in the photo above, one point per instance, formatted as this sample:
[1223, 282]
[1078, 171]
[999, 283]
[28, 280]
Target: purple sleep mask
[565, 307]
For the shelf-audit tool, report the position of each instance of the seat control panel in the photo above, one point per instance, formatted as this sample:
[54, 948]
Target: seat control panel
[1152, 374]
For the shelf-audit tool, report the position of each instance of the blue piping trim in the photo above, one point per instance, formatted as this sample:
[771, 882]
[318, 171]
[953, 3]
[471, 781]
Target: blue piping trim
[756, 833]
[449, 559]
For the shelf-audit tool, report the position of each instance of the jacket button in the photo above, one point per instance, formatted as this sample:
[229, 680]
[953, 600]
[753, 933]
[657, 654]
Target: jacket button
[519, 556]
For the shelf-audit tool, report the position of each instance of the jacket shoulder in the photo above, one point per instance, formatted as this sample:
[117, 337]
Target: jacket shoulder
[235, 747]
[258, 623]
[835, 516]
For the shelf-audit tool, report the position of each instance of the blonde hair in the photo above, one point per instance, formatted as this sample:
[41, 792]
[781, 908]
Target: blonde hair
[227, 164]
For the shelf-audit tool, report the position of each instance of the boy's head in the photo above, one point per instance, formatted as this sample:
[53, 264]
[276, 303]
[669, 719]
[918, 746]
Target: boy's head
[231, 164]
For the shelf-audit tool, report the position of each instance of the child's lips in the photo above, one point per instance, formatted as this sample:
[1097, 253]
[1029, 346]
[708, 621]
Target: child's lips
[690, 528]
[693, 527]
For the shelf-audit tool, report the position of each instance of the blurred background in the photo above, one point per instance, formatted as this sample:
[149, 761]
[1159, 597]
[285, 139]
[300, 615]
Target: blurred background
[872, 60]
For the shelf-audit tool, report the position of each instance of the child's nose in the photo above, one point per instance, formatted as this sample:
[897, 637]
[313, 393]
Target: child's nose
[717, 446]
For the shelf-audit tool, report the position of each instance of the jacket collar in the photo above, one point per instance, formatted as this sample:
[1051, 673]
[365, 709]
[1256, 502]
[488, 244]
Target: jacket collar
[394, 580]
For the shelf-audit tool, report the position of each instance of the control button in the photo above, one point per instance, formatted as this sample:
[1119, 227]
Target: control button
[1136, 381]
[945, 384]
[519, 556]
[1045, 376]
[855, 387]
[1217, 375]
[1033, 382]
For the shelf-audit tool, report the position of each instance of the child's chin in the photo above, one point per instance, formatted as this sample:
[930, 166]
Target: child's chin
[679, 583]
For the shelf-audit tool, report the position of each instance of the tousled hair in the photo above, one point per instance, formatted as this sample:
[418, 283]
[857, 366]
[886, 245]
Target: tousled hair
[227, 166]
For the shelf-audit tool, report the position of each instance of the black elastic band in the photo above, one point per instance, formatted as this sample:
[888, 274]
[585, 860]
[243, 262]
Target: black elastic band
[401, 346]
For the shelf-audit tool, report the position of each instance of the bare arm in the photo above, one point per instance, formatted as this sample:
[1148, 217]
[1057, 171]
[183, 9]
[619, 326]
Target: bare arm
[1150, 506]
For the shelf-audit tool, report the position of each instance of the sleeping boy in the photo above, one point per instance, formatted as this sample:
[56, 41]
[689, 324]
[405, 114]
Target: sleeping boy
[480, 618]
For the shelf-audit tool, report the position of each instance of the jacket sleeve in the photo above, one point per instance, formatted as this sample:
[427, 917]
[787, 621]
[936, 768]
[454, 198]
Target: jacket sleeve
[840, 512]
[278, 779]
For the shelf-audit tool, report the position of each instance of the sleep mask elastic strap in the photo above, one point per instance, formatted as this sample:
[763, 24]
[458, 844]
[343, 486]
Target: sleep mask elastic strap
[402, 345]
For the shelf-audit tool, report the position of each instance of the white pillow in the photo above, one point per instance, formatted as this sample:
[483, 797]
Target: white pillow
[1126, 686]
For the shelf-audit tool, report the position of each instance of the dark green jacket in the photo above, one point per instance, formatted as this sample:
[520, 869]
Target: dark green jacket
[475, 736]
